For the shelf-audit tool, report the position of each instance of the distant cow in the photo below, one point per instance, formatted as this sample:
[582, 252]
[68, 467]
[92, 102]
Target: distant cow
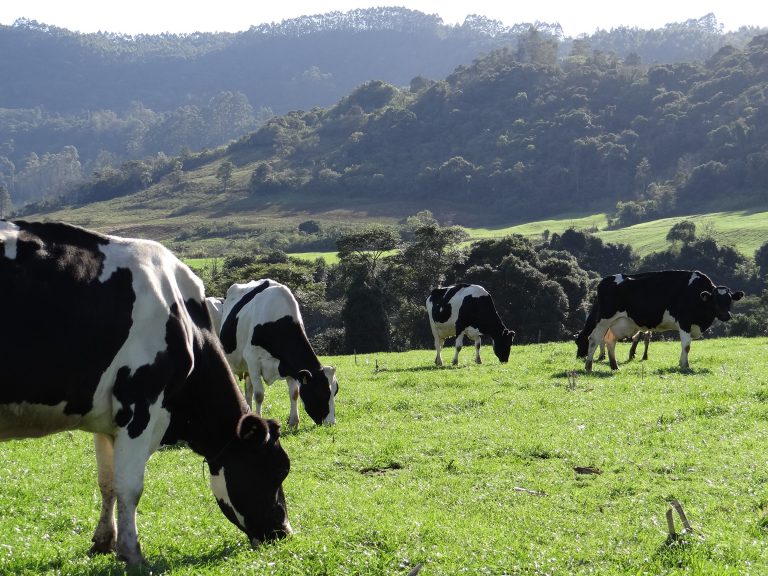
[466, 310]
[682, 300]
[611, 340]
[263, 335]
[129, 355]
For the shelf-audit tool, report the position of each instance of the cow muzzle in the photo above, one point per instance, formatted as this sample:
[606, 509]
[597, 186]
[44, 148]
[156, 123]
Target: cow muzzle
[286, 530]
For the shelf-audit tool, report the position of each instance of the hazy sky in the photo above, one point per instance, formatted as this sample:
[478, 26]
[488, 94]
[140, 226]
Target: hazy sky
[156, 16]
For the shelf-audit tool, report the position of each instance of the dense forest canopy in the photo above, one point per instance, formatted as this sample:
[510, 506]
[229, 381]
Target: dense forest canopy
[84, 104]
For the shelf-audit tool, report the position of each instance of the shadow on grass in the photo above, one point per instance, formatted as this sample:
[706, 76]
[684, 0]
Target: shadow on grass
[677, 370]
[110, 565]
[607, 372]
[432, 367]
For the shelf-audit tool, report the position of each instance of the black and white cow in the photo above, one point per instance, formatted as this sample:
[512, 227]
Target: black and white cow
[263, 335]
[466, 310]
[682, 300]
[130, 356]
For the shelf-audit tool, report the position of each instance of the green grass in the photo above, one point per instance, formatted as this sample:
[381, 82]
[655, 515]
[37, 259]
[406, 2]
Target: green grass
[468, 470]
[743, 229]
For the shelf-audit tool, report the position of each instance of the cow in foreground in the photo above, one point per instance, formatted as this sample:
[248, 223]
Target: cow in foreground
[467, 310]
[263, 335]
[682, 300]
[130, 356]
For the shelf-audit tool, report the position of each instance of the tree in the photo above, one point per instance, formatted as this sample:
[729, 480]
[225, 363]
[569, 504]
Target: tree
[366, 324]
[224, 174]
[683, 232]
[761, 260]
[366, 246]
[423, 263]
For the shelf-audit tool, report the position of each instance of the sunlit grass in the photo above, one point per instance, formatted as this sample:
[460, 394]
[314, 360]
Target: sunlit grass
[467, 470]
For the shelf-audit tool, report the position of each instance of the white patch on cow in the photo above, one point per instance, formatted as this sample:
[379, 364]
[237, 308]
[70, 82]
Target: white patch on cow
[695, 276]
[220, 492]
[618, 278]
[9, 235]
[215, 307]
[154, 270]
[25, 420]
[722, 291]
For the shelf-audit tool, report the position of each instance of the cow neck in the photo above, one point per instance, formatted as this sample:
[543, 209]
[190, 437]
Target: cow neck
[213, 411]
[286, 341]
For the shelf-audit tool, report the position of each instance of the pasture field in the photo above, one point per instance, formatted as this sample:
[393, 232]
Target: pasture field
[490, 469]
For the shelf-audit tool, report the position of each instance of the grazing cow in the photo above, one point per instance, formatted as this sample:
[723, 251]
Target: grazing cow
[130, 356]
[466, 310]
[682, 300]
[611, 340]
[263, 335]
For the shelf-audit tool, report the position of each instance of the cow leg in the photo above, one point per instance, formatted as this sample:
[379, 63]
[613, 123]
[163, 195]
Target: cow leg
[105, 534]
[633, 348]
[459, 343]
[595, 338]
[611, 346]
[478, 343]
[685, 344]
[438, 347]
[601, 356]
[249, 392]
[130, 462]
[647, 339]
[293, 393]
[254, 394]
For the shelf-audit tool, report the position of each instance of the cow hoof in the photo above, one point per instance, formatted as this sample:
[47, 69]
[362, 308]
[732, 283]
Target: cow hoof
[102, 548]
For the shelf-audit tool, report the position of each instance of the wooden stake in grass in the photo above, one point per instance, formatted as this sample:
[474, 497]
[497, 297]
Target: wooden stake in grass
[571, 379]
[687, 528]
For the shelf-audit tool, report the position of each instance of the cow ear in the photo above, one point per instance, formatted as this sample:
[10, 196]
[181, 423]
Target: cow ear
[305, 376]
[705, 296]
[737, 295]
[253, 429]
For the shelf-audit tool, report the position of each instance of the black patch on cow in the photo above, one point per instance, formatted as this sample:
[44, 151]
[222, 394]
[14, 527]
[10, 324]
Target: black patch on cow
[441, 302]
[61, 326]
[480, 313]
[229, 324]
[286, 341]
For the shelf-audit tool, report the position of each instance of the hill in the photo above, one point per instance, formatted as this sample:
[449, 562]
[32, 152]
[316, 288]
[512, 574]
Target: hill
[83, 103]
[513, 138]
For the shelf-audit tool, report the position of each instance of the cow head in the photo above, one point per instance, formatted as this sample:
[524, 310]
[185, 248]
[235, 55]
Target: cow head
[720, 301]
[582, 344]
[247, 477]
[502, 345]
[318, 390]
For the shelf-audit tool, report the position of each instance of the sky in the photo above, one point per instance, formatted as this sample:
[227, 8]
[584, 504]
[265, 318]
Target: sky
[177, 16]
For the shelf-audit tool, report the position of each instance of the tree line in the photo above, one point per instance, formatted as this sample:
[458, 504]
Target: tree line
[374, 298]
[82, 105]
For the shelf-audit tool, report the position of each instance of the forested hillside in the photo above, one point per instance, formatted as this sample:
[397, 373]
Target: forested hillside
[514, 136]
[77, 104]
